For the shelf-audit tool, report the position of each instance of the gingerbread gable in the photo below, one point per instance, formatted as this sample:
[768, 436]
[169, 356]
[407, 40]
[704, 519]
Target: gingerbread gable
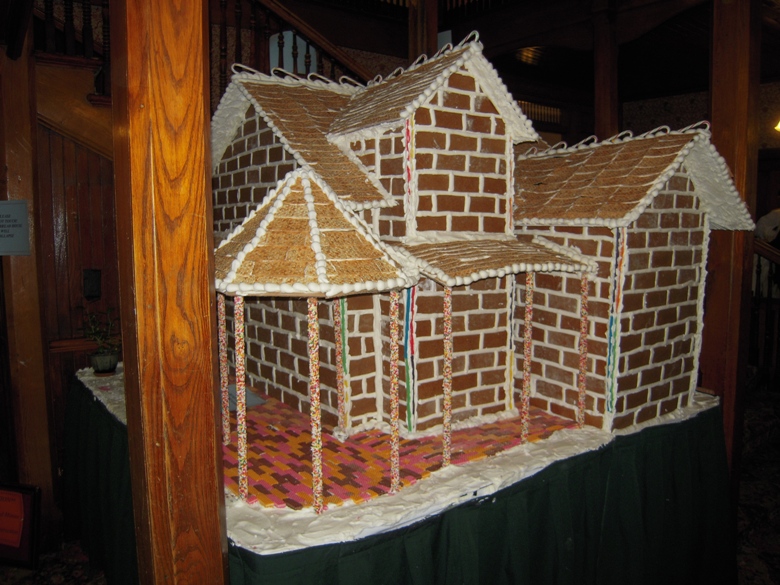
[299, 113]
[386, 104]
[611, 183]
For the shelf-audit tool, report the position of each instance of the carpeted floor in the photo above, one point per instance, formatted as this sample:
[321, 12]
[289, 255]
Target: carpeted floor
[758, 516]
[69, 565]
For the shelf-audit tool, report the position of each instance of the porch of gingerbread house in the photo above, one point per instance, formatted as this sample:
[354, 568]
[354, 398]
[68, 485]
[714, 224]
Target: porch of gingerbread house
[642, 208]
[303, 242]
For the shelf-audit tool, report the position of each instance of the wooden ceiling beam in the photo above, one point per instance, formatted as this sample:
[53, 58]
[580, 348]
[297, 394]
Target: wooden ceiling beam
[16, 21]
[566, 23]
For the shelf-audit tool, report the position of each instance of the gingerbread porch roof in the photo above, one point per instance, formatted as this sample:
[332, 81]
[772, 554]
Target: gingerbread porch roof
[611, 183]
[299, 112]
[302, 241]
[385, 104]
[462, 262]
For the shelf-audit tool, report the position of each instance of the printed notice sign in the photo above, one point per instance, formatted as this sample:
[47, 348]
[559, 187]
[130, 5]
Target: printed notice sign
[11, 518]
[14, 229]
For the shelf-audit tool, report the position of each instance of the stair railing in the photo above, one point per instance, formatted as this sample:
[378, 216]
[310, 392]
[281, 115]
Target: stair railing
[765, 313]
[77, 33]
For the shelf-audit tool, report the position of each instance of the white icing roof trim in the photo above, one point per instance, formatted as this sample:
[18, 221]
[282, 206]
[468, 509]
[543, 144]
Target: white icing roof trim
[579, 263]
[232, 108]
[709, 171]
[519, 127]
[408, 276]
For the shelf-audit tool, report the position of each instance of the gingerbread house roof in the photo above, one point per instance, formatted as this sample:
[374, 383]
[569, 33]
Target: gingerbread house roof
[299, 112]
[302, 241]
[462, 262]
[386, 104]
[611, 183]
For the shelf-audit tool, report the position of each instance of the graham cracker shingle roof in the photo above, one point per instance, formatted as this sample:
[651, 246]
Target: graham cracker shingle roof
[299, 112]
[302, 242]
[457, 263]
[387, 103]
[612, 182]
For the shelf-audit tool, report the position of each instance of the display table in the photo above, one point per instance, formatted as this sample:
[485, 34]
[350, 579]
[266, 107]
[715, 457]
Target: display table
[649, 507]
[98, 501]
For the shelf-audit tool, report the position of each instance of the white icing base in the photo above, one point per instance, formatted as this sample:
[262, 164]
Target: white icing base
[272, 530]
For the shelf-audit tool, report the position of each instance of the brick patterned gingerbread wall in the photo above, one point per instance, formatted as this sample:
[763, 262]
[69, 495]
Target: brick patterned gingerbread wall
[480, 329]
[460, 152]
[659, 321]
[251, 166]
[657, 327]
[556, 325]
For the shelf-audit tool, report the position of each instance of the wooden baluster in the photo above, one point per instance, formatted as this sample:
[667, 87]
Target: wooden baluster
[280, 44]
[307, 58]
[320, 64]
[51, 36]
[222, 46]
[295, 52]
[87, 36]
[239, 53]
[106, 83]
[70, 29]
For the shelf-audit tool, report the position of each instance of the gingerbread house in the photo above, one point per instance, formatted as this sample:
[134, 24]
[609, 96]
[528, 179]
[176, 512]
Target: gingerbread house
[455, 269]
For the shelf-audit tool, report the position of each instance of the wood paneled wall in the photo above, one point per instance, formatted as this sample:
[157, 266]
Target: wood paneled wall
[77, 232]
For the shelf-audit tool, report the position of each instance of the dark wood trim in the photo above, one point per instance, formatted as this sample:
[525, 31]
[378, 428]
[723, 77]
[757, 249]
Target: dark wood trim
[165, 243]
[17, 18]
[605, 68]
[734, 100]
[21, 278]
[766, 251]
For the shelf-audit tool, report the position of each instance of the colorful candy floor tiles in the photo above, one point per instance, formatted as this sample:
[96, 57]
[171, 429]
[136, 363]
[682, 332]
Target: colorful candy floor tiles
[279, 456]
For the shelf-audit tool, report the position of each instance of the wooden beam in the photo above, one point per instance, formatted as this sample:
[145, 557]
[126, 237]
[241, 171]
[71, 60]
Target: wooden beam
[734, 95]
[20, 279]
[423, 28]
[17, 16]
[564, 23]
[164, 227]
[606, 108]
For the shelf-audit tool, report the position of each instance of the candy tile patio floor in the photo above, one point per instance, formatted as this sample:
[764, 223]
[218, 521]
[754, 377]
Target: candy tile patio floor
[279, 455]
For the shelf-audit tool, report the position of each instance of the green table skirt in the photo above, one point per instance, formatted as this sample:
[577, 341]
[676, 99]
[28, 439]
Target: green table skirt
[649, 508]
[98, 500]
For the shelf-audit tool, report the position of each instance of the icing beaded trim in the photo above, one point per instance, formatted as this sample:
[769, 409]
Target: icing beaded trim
[583, 349]
[339, 341]
[238, 320]
[223, 367]
[395, 474]
[525, 396]
[316, 414]
[447, 383]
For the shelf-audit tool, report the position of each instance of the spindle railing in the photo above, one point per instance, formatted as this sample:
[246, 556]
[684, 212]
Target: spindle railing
[765, 314]
[278, 38]
[262, 34]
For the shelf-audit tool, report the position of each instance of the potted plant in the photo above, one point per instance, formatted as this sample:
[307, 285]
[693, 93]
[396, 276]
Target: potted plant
[102, 328]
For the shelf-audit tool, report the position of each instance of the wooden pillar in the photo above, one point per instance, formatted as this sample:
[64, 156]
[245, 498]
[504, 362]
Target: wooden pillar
[423, 28]
[734, 95]
[606, 107]
[164, 223]
[29, 400]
